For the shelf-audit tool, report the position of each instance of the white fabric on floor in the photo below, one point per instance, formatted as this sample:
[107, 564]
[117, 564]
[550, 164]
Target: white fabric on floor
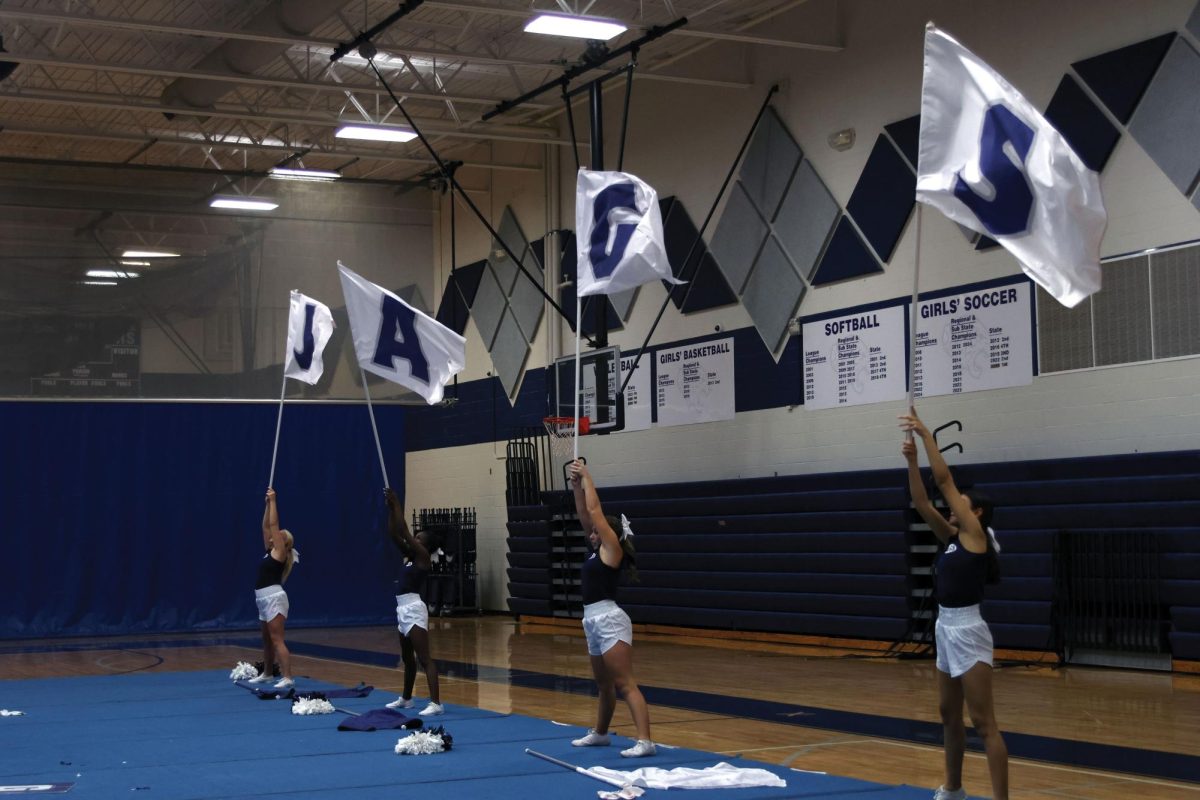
[720, 776]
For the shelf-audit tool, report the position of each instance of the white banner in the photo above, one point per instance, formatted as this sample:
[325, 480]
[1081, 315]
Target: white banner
[618, 233]
[396, 341]
[695, 383]
[990, 161]
[309, 327]
[854, 359]
[638, 399]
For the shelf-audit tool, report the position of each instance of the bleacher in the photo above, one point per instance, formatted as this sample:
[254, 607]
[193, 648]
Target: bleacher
[832, 556]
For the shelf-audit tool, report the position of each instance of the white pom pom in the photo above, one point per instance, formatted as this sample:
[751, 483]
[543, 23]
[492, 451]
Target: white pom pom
[4, 712]
[419, 743]
[314, 705]
[243, 672]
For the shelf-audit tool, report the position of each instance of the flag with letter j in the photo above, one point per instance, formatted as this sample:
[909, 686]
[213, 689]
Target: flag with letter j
[619, 233]
[396, 341]
[990, 161]
[309, 327]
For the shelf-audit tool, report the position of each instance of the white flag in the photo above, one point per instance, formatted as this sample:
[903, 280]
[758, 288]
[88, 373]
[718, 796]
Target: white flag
[396, 341]
[619, 234]
[309, 327]
[990, 161]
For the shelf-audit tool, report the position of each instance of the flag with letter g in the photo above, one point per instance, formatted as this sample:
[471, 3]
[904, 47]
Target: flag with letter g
[990, 161]
[309, 327]
[396, 341]
[619, 233]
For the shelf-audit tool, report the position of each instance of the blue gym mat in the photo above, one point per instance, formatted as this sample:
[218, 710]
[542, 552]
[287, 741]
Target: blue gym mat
[196, 736]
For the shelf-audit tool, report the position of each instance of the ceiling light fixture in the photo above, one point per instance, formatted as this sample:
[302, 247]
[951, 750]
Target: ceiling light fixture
[149, 254]
[374, 133]
[111, 273]
[577, 27]
[135, 263]
[243, 204]
[99, 283]
[292, 174]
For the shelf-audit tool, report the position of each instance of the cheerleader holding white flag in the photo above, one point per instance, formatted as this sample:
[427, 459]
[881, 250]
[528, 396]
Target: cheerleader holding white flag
[310, 324]
[619, 234]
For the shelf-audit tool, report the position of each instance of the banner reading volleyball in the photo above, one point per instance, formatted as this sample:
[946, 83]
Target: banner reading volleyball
[990, 161]
[310, 324]
[619, 233]
[396, 341]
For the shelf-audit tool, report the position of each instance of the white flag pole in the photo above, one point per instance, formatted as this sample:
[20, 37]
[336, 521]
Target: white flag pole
[278, 423]
[912, 344]
[578, 328]
[375, 430]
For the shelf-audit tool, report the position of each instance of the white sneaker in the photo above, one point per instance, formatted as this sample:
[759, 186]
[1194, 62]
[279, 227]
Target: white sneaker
[432, 710]
[285, 683]
[592, 739]
[401, 702]
[643, 747]
[943, 793]
[261, 677]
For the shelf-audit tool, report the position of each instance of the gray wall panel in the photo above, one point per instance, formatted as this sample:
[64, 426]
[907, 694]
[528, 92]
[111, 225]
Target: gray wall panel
[1167, 122]
[509, 352]
[1064, 334]
[488, 307]
[770, 160]
[805, 219]
[737, 239]
[772, 294]
[1121, 312]
[1175, 287]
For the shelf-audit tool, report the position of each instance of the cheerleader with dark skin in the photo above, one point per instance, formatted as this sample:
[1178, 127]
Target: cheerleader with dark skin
[411, 614]
[964, 670]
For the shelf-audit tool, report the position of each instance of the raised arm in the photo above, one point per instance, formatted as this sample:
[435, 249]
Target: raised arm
[916, 487]
[968, 523]
[591, 515]
[272, 539]
[401, 535]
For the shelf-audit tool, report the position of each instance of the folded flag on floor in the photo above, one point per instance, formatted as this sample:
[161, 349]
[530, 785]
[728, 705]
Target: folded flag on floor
[719, 776]
[379, 719]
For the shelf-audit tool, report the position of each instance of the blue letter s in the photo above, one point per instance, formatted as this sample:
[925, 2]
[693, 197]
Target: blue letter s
[1007, 213]
[619, 195]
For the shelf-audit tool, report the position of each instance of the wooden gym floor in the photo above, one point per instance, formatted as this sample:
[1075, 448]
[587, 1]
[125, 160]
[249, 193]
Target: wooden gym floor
[845, 713]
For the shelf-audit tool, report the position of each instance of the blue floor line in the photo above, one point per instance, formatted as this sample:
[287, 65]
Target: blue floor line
[1113, 758]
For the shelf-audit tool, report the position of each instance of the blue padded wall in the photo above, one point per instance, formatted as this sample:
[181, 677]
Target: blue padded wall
[1120, 77]
[146, 517]
[846, 256]
[883, 198]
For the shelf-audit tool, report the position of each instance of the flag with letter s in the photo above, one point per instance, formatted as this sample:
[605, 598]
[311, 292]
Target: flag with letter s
[619, 233]
[990, 161]
[396, 341]
[310, 324]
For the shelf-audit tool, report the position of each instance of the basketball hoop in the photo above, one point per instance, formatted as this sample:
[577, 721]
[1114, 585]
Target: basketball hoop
[561, 433]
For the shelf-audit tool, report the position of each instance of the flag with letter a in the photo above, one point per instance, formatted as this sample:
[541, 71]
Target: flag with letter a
[396, 341]
[309, 327]
[990, 161]
[619, 232]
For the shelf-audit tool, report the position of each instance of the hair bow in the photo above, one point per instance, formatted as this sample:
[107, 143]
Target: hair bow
[626, 531]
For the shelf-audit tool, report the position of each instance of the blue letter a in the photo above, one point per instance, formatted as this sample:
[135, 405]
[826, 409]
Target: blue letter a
[398, 339]
[1007, 213]
[619, 195]
[304, 358]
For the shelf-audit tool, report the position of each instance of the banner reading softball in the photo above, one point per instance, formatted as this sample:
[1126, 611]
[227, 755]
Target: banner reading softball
[988, 160]
[619, 233]
[396, 341]
[310, 324]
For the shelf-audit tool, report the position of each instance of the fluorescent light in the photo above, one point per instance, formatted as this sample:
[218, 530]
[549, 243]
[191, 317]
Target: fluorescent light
[287, 173]
[243, 203]
[374, 133]
[149, 254]
[574, 26]
[99, 283]
[135, 263]
[110, 273]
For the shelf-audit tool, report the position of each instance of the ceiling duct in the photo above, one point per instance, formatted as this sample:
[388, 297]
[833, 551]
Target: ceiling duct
[241, 57]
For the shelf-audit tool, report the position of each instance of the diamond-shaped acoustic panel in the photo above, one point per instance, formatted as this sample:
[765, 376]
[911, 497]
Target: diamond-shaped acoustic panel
[1120, 77]
[411, 294]
[622, 302]
[509, 352]
[512, 235]
[706, 287]
[805, 219]
[883, 198]
[738, 237]
[1167, 121]
[488, 307]
[769, 162]
[907, 135]
[461, 286]
[566, 294]
[527, 305]
[773, 294]
[847, 256]
[1082, 124]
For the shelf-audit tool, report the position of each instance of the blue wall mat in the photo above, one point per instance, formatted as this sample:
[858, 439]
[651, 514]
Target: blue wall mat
[1082, 124]
[883, 198]
[907, 135]
[846, 256]
[482, 414]
[1120, 77]
[126, 517]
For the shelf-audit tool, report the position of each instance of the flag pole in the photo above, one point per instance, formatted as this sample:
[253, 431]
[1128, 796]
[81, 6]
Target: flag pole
[374, 429]
[912, 344]
[578, 328]
[278, 423]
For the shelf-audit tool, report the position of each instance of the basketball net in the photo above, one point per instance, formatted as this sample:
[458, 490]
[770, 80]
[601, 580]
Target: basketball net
[560, 431]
